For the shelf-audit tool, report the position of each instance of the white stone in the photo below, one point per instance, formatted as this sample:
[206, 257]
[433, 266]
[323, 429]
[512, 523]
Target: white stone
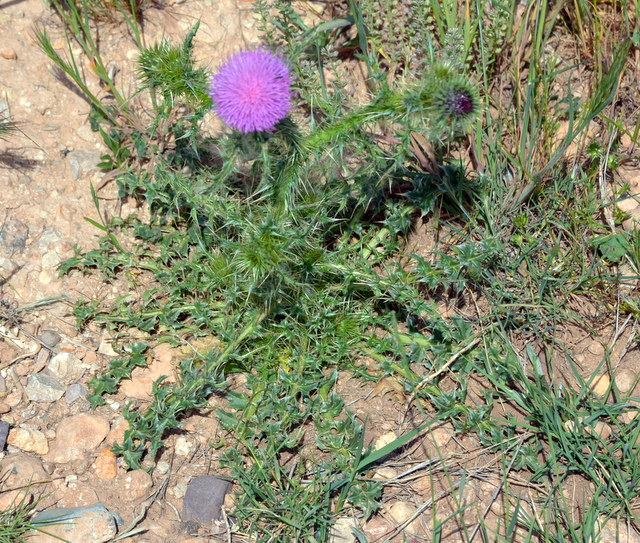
[183, 446]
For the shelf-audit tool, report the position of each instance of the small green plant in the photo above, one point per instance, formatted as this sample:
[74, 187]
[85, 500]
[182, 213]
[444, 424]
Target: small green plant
[16, 521]
[7, 127]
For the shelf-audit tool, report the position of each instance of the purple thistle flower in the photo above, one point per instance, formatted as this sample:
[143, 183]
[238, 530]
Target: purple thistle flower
[251, 91]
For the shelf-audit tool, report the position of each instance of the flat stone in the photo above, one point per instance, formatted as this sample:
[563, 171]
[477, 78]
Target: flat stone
[48, 237]
[204, 499]
[630, 224]
[75, 494]
[385, 473]
[162, 467]
[50, 260]
[89, 524]
[629, 175]
[116, 434]
[627, 205]
[601, 429]
[106, 348]
[76, 436]
[384, 440]
[43, 388]
[7, 266]
[441, 436]
[183, 446]
[29, 440]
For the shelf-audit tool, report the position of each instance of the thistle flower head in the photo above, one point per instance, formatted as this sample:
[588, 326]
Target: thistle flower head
[444, 101]
[251, 92]
[455, 106]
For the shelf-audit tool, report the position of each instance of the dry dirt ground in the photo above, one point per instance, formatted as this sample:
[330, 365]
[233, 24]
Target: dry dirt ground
[56, 441]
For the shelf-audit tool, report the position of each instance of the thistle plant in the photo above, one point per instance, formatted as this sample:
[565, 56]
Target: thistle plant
[266, 232]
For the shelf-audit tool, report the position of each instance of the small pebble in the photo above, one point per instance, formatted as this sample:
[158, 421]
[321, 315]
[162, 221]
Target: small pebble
[183, 446]
[162, 467]
[105, 465]
[8, 54]
[600, 385]
[625, 380]
[50, 338]
[29, 440]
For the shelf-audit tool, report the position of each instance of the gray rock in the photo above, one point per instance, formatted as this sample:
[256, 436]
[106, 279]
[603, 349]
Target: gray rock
[42, 388]
[50, 338]
[89, 524]
[4, 433]
[74, 392]
[83, 162]
[13, 236]
[204, 499]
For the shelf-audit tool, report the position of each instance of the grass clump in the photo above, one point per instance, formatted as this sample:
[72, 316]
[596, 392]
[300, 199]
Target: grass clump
[291, 251]
[17, 521]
